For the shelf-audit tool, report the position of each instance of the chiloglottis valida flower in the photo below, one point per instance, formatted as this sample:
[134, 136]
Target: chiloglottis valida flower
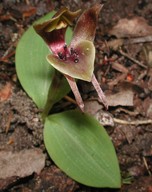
[77, 59]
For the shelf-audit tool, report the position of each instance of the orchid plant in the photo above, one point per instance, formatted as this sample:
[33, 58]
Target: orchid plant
[77, 59]
[77, 143]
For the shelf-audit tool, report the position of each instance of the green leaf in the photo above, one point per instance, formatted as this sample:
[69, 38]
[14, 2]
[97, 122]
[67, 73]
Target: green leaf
[80, 146]
[58, 88]
[34, 72]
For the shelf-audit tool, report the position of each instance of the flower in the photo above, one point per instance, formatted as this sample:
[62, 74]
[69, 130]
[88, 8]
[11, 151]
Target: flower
[77, 59]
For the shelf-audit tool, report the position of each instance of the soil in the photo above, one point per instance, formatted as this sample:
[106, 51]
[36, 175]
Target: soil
[118, 68]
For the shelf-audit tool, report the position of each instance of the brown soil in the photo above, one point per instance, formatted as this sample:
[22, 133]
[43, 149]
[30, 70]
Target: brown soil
[20, 124]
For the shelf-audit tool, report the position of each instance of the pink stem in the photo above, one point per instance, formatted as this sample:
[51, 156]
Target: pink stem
[99, 91]
[75, 91]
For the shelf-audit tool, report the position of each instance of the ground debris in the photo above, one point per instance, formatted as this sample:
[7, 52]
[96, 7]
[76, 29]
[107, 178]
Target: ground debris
[144, 184]
[135, 27]
[5, 183]
[5, 92]
[21, 164]
[94, 108]
[53, 179]
[122, 98]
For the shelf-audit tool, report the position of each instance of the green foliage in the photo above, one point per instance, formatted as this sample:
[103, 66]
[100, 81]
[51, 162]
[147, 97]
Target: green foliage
[33, 70]
[58, 88]
[76, 142]
[80, 146]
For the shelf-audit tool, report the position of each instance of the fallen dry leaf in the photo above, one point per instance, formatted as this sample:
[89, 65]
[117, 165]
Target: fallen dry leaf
[28, 13]
[150, 79]
[119, 67]
[122, 98]
[113, 44]
[147, 105]
[147, 49]
[5, 92]
[22, 163]
[135, 27]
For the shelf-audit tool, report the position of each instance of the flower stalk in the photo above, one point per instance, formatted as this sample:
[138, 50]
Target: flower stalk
[75, 91]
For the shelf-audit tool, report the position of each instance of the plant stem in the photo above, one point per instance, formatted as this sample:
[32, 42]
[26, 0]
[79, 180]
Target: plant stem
[75, 91]
[99, 91]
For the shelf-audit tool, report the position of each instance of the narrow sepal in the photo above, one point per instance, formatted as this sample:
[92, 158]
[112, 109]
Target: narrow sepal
[86, 25]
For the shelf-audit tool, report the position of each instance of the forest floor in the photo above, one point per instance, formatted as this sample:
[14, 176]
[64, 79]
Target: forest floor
[123, 67]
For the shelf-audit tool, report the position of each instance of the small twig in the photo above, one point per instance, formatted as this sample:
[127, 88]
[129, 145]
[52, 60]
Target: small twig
[138, 122]
[70, 99]
[5, 59]
[146, 165]
[138, 40]
[132, 59]
[7, 51]
[132, 113]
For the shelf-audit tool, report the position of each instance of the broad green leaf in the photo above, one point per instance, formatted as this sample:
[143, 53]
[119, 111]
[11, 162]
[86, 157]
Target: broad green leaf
[80, 146]
[34, 72]
[58, 88]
